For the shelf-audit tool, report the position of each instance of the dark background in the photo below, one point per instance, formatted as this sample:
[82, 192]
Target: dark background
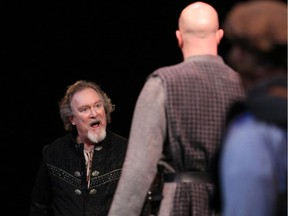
[48, 45]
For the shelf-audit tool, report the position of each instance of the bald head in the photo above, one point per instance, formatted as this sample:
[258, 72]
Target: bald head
[199, 32]
[198, 18]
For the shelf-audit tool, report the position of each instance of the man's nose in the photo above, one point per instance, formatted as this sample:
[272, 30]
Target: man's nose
[93, 113]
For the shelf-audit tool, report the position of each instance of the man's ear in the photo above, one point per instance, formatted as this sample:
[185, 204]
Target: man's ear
[71, 118]
[219, 35]
[179, 38]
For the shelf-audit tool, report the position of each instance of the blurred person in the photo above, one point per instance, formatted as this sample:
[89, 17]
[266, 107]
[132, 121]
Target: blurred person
[80, 171]
[178, 119]
[253, 165]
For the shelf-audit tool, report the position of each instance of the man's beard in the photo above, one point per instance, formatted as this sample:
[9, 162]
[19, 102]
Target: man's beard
[97, 136]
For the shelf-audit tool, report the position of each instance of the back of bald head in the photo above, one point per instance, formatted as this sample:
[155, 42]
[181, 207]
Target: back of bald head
[198, 19]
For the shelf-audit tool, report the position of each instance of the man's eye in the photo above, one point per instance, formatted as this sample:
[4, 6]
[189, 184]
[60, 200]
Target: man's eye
[84, 109]
[99, 105]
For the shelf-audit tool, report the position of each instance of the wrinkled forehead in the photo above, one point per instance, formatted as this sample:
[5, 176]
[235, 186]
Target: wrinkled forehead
[87, 96]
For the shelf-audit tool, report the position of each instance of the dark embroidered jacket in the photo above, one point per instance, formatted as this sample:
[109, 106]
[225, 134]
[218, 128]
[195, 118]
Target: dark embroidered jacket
[61, 186]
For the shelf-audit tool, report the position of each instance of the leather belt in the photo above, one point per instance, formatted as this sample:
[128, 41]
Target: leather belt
[191, 177]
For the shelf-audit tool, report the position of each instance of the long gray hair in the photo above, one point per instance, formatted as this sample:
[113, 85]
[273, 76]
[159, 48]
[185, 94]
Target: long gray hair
[65, 103]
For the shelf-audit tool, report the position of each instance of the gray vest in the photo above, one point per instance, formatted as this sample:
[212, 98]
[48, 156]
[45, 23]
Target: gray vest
[199, 92]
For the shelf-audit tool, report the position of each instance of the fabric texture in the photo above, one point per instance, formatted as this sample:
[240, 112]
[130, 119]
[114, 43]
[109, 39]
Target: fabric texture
[192, 98]
[253, 163]
[254, 159]
[199, 94]
[61, 187]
